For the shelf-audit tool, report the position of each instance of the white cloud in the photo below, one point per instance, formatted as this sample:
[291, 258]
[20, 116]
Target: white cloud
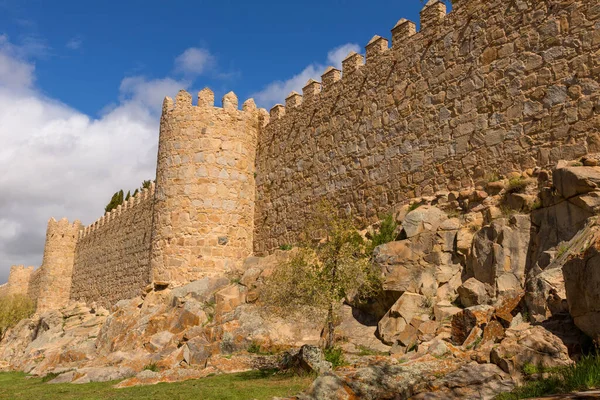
[276, 92]
[57, 161]
[74, 43]
[194, 61]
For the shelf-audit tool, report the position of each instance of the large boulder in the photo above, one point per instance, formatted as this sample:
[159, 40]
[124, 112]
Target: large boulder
[424, 218]
[499, 254]
[533, 345]
[474, 293]
[582, 284]
[397, 324]
[573, 181]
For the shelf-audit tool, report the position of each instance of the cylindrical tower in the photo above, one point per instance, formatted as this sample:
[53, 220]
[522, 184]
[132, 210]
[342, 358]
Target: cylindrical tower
[203, 217]
[18, 280]
[57, 265]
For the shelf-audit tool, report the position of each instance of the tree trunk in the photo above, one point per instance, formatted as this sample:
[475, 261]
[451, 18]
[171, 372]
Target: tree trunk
[329, 342]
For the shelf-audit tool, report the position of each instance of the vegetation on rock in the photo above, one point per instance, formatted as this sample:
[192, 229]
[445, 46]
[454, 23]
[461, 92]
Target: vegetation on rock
[13, 309]
[331, 264]
[582, 376]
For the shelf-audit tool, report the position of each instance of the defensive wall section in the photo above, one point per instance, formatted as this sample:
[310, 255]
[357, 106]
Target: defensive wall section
[112, 255]
[492, 87]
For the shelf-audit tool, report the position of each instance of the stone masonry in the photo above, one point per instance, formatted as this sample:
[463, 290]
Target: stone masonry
[491, 87]
[204, 208]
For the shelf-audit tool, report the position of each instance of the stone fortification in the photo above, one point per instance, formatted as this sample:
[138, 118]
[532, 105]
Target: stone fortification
[205, 190]
[18, 281]
[493, 86]
[489, 88]
[112, 255]
[57, 265]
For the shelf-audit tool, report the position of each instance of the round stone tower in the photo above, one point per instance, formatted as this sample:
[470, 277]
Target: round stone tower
[57, 265]
[203, 218]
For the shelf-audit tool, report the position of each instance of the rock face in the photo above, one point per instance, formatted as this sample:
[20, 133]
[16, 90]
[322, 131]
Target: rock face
[582, 283]
[499, 254]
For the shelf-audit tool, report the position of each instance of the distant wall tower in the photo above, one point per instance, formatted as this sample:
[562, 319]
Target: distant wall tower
[57, 265]
[18, 280]
[203, 217]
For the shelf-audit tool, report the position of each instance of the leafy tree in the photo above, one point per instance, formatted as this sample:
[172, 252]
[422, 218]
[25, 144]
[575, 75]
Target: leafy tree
[13, 309]
[146, 184]
[331, 264]
[115, 201]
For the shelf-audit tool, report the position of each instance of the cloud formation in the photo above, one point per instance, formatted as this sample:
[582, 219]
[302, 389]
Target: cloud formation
[276, 92]
[57, 161]
[194, 61]
[74, 43]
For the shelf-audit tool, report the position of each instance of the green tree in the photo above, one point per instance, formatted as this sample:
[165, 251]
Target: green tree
[331, 264]
[146, 184]
[13, 309]
[115, 201]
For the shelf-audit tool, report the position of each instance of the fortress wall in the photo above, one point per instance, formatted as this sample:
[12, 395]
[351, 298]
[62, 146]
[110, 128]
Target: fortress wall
[205, 190]
[112, 256]
[494, 86]
[33, 291]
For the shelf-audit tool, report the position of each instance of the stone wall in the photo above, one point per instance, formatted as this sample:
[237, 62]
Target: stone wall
[205, 189]
[18, 280]
[33, 290]
[57, 265]
[112, 255]
[492, 87]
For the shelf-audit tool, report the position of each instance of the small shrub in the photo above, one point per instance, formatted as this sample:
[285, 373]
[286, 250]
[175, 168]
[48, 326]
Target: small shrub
[577, 164]
[386, 232]
[152, 367]
[492, 177]
[335, 356]
[530, 369]
[562, 250]
[285, 247]
[536, 205]
[13, 309]
[516, 185]
[254, 348]
[235, 280]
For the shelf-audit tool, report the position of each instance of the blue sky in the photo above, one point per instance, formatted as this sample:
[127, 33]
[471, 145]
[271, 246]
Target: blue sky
[83, 49]
[82, 82]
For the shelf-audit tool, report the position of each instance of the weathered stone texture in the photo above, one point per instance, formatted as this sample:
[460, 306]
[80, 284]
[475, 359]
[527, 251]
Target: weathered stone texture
[112, 260]
[56, 271]
[204, 208]
[493, 86]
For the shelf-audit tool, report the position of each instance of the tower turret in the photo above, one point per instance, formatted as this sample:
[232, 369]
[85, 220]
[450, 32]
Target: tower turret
[57, 264]
[203, 218]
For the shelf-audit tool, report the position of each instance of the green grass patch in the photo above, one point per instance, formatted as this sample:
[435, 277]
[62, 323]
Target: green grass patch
[246, 385]
[584, 375]
[285, 247]
[517, 185]
[335, 356]
[152, 367]
[385, 234]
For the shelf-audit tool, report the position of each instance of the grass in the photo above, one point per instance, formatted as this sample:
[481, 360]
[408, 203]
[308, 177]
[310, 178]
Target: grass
[285, 247]
[562, 249]
[386, 232]
[335, 356]
[517, 185]
[367, 351]
[152, 367]
[414, 206]
[245, 385]
[584, 375]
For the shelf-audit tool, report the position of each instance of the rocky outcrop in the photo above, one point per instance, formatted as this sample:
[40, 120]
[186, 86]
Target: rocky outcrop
[582, 284]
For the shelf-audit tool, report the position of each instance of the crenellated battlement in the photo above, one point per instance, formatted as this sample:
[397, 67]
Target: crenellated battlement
[490, 87]
[377, 50]
[206, 101]
[122, 210]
